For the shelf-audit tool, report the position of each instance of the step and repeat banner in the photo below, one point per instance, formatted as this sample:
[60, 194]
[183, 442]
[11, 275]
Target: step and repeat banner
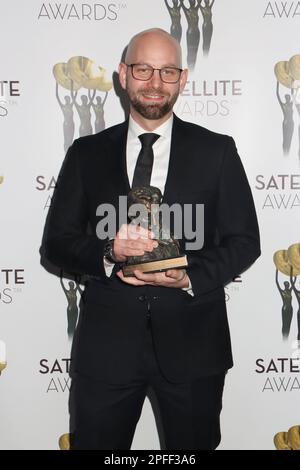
[244, 61]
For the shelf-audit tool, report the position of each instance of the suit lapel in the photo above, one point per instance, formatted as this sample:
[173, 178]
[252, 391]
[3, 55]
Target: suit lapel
[118, 139]
[177, 163]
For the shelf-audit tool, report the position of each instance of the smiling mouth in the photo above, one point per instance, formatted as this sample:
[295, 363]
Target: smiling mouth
[153, 97]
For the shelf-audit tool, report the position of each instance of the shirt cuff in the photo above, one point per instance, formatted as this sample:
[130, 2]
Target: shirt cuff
[108, 267]
[189, 289]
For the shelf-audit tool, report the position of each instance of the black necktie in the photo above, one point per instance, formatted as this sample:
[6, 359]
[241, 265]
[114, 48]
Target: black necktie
[144, 164]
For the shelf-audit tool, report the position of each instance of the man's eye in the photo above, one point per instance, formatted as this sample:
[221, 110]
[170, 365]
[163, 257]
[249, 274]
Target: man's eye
[168, 71]
[143, 69]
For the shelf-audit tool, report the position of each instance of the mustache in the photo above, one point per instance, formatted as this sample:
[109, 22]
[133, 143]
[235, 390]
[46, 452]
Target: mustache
[153, 91]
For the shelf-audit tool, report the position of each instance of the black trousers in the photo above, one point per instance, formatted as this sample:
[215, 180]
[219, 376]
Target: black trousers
[106, 415]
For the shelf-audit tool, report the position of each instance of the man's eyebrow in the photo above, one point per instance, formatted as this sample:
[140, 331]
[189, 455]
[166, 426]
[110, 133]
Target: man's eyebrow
[162, 66]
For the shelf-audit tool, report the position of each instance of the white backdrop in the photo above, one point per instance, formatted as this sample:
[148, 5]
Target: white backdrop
[232, 91]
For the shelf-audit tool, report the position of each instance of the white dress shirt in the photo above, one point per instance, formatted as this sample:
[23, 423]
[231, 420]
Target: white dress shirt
[161, 151]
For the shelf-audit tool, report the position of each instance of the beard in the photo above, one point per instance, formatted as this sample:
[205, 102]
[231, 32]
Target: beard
[155, 110]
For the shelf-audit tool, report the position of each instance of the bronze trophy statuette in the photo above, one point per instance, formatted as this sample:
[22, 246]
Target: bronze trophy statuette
[167, 254]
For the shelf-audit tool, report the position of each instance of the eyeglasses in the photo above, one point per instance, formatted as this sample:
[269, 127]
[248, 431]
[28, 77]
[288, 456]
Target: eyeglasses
[144, 72]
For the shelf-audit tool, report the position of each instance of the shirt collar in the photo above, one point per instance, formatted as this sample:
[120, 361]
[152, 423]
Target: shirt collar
[134, 129]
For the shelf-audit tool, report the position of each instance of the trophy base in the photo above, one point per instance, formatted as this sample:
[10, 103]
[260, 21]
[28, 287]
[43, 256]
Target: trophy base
[156, 266]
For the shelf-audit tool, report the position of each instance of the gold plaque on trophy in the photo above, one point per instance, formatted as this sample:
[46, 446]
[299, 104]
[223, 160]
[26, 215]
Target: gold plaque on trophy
[156, 266]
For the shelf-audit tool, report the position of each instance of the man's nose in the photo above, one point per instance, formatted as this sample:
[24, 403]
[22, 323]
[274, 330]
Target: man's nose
[155, 79]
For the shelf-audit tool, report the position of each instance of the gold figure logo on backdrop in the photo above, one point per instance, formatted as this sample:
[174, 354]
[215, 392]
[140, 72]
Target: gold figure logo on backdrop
[3, 362]
[81, 73]
[1, 179]
[288, 75]
[288, 440]
[287, 262]
[191, 10]
[72, 307]
[64, 442]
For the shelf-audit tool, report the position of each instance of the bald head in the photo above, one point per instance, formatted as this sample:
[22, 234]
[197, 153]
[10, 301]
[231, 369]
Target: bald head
[156, 40]
[152, 99]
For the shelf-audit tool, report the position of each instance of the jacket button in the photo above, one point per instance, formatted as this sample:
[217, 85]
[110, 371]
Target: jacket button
[142, 298]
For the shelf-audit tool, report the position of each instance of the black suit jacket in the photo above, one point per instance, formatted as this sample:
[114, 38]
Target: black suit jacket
[191, 334]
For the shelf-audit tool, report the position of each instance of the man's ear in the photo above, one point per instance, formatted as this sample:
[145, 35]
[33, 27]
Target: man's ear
[183, 80]
[123, 75]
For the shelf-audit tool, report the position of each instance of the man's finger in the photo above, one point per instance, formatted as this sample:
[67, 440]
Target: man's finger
[172, 273]
[130, 280]
[142, 244]
[133, 252]
[138, 231]
[149, 277]
[177, 274]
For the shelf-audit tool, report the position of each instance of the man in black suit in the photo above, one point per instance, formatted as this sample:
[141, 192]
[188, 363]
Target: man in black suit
[166, 330]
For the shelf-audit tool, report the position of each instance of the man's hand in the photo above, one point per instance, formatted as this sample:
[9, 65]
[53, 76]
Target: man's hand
[132, 240]
[172, 278]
